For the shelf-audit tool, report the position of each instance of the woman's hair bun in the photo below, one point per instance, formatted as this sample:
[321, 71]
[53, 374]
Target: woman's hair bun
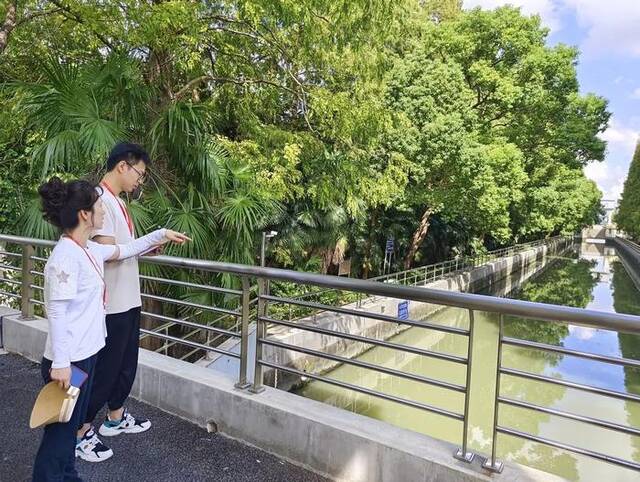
[61, 201]
[54, 194]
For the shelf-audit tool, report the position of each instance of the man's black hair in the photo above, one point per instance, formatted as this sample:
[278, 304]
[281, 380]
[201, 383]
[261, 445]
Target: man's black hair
[128, 152]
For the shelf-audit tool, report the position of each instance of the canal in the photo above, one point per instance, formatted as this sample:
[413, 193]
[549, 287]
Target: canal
[588, 276]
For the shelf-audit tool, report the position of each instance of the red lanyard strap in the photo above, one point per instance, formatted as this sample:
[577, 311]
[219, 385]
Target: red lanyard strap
[94, 263]
[125, 213]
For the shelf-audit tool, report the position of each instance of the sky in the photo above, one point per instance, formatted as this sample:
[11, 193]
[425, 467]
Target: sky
[607, 32]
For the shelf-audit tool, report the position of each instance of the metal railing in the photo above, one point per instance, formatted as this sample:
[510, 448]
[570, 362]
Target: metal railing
[493, 464]
[428, 273]
[200, 331]
[423, 275]
[266, 344]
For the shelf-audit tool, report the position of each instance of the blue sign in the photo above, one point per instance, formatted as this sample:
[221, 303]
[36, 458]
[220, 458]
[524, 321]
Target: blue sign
[403, 310]
[389, 246]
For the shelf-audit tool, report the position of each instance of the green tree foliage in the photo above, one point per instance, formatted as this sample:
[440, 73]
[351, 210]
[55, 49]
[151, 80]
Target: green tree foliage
[336, 123]
[482, 95]
[569, 283]
[628, 215]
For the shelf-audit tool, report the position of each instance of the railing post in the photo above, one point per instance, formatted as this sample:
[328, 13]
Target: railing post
[462, 453]
[26, 292]
[258, 375]
[492, 464]
[244, 334]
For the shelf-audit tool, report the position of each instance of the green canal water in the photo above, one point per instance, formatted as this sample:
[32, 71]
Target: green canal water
[590, 277]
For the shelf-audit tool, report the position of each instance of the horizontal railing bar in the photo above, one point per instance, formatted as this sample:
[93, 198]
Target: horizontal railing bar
[168, 324]
[27, 241]
[191, 324]
[567, 351]
[570, 448]
[192, 285]
[577, 386]
[37, 302]
[370, 341]
[11, 295]
[367, 391]
[9, 268]
[581, 418]
[36, 287]
[37, 258]
[173, 343]
[38, 273]
[11, 281]
[190, 343]
[369, 366]
[525, 309]
[365, 314]
[9, 253]
[215, 309]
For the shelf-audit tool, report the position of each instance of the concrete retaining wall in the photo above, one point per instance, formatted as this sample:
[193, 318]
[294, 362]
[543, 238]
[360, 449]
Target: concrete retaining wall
[629, 257]
[328, 440]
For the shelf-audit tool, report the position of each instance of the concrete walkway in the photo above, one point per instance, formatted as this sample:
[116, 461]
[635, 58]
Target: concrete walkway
[173, 450]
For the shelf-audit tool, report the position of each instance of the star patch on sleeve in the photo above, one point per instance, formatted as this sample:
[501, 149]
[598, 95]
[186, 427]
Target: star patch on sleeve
[62, 277]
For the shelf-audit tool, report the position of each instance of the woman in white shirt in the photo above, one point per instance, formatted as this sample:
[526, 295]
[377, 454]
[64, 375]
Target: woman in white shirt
[75, 297]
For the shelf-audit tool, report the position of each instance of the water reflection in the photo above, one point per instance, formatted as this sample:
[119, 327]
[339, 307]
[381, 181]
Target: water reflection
[590, 278]
[627, 301]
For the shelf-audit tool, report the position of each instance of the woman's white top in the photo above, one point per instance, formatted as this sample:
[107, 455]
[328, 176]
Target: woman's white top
[73, 297]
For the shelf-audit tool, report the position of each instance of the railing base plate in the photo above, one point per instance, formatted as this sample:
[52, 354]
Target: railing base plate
[497, 467]
[256, 390]
[468, 457]
[242, 386]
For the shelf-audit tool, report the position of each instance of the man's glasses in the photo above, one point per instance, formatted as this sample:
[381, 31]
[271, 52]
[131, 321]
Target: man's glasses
[142, 176]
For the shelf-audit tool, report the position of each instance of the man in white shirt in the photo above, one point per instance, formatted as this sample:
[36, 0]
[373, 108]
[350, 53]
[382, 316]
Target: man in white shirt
[118, 360]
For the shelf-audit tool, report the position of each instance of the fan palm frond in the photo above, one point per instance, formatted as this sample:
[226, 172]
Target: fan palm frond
[33, 225]
[58, 152]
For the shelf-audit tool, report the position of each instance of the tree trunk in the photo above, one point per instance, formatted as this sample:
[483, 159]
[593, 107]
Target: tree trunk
[327, 255]
[418, 237]
[8, 25]
[366, 265]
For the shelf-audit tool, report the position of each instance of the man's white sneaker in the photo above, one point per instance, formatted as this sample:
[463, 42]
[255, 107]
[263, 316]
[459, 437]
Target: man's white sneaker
[91, 449]
[127, 424]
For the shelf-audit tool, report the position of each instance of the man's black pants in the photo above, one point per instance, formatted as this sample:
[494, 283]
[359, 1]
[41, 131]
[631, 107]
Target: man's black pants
[117, 363]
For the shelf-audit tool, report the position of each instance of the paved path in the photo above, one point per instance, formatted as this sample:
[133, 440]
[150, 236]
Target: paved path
[173, 450]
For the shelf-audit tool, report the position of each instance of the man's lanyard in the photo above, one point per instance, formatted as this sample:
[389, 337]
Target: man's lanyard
[125, 213]
[95, 266]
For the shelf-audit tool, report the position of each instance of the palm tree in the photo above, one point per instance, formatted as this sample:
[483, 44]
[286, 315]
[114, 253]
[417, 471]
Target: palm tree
[79, 112]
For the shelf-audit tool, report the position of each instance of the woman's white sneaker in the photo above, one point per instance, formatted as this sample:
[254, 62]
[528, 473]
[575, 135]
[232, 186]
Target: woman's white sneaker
[127, 424]
[91, 449]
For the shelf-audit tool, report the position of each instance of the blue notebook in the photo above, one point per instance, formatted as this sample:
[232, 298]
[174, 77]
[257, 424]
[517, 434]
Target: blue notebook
[78, 376]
